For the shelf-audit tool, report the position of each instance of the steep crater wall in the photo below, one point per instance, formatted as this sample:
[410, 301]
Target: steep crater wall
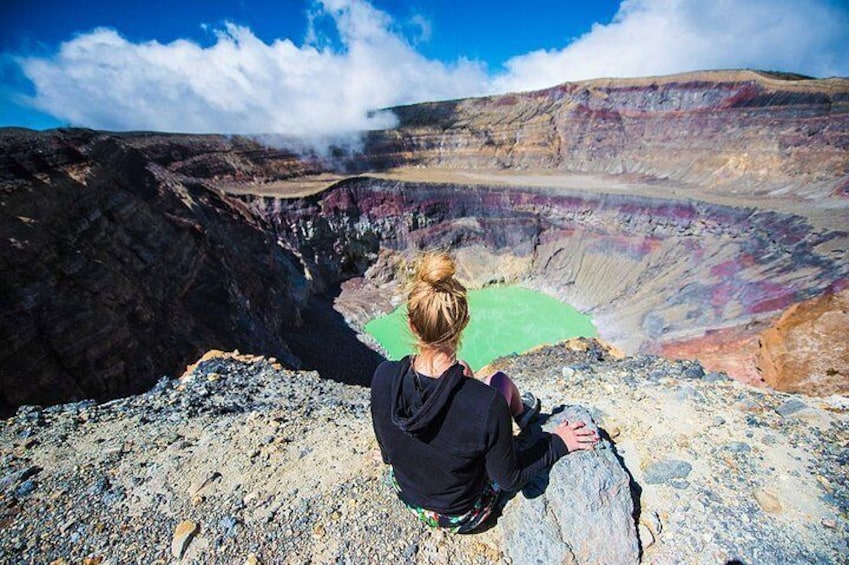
[737, 131]
[116, 272]
[648, 270]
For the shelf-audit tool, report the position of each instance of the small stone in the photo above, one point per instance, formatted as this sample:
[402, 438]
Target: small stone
[319, 531]
[93, 560]
[791, 407]
[695, 371]
[828, 523]
[646, 537]
[718, 420]
[747, 405]
[826, 484]
[228, 524]
[60, 561]
[252, 560]
[18, 477]
[715, 376]
[666, 470]
[25, 488]
[767, 501]
[614, 432]
[183, 534]
[738, 447]
[100, 486]
[277, 366]
[410, 552]
[67, 525]
[212, 377]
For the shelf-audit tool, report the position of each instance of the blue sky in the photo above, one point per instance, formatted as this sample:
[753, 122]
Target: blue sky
[322, 67]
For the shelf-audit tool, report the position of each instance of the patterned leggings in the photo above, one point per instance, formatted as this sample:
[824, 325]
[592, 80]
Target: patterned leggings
[461, 524]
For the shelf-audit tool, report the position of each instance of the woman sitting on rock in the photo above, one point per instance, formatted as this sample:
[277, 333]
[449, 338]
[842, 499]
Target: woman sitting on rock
[448, 437]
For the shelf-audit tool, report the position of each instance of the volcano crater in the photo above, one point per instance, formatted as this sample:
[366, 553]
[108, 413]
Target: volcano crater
[685, 214]
[653, 273]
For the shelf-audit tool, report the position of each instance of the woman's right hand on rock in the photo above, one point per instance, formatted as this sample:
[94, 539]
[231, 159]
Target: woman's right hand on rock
[576, 436]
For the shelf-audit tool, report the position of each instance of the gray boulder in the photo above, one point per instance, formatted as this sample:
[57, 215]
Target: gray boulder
[580, 512]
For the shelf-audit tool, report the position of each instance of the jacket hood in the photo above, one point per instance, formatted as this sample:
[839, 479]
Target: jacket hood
[416, 405]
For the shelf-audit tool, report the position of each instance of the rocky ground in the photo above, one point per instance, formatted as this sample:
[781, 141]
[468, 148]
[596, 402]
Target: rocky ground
[241, 461]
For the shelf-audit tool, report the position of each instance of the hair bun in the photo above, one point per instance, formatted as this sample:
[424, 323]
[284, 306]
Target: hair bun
[435, 268]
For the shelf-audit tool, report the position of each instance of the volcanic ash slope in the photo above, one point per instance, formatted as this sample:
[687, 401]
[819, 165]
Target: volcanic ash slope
[249, 458]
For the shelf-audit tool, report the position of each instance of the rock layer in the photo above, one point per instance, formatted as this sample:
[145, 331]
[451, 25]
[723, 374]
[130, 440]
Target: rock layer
[737, 131]
[807, 349]
[650, 271]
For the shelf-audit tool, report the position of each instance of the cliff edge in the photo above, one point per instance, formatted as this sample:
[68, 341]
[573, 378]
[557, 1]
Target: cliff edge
[242, 457]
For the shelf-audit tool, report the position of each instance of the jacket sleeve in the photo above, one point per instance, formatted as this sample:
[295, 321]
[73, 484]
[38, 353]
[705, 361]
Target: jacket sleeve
[505, 465]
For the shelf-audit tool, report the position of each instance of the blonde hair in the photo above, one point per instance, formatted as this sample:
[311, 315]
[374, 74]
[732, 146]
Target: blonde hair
[437, 308]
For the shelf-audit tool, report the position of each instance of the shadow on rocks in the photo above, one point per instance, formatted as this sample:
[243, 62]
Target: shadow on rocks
[532, 444]
[327, 344]
[634, 487]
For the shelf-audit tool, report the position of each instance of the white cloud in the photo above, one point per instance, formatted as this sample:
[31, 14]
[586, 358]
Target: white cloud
[243, 85]
[240, 84]
[656, 37]
[424, 28]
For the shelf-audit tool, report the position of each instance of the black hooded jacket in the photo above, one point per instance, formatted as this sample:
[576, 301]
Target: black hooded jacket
[444, 436]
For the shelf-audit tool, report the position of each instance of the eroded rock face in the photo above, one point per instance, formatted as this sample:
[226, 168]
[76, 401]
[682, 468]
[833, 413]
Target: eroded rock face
[649, 270]
[808, 347]
[116, 271]
[732, 131]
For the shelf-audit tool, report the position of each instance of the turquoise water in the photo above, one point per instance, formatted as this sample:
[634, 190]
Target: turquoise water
[504, 320]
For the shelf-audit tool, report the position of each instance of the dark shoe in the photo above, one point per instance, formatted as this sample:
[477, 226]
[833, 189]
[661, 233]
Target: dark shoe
[532, 407]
